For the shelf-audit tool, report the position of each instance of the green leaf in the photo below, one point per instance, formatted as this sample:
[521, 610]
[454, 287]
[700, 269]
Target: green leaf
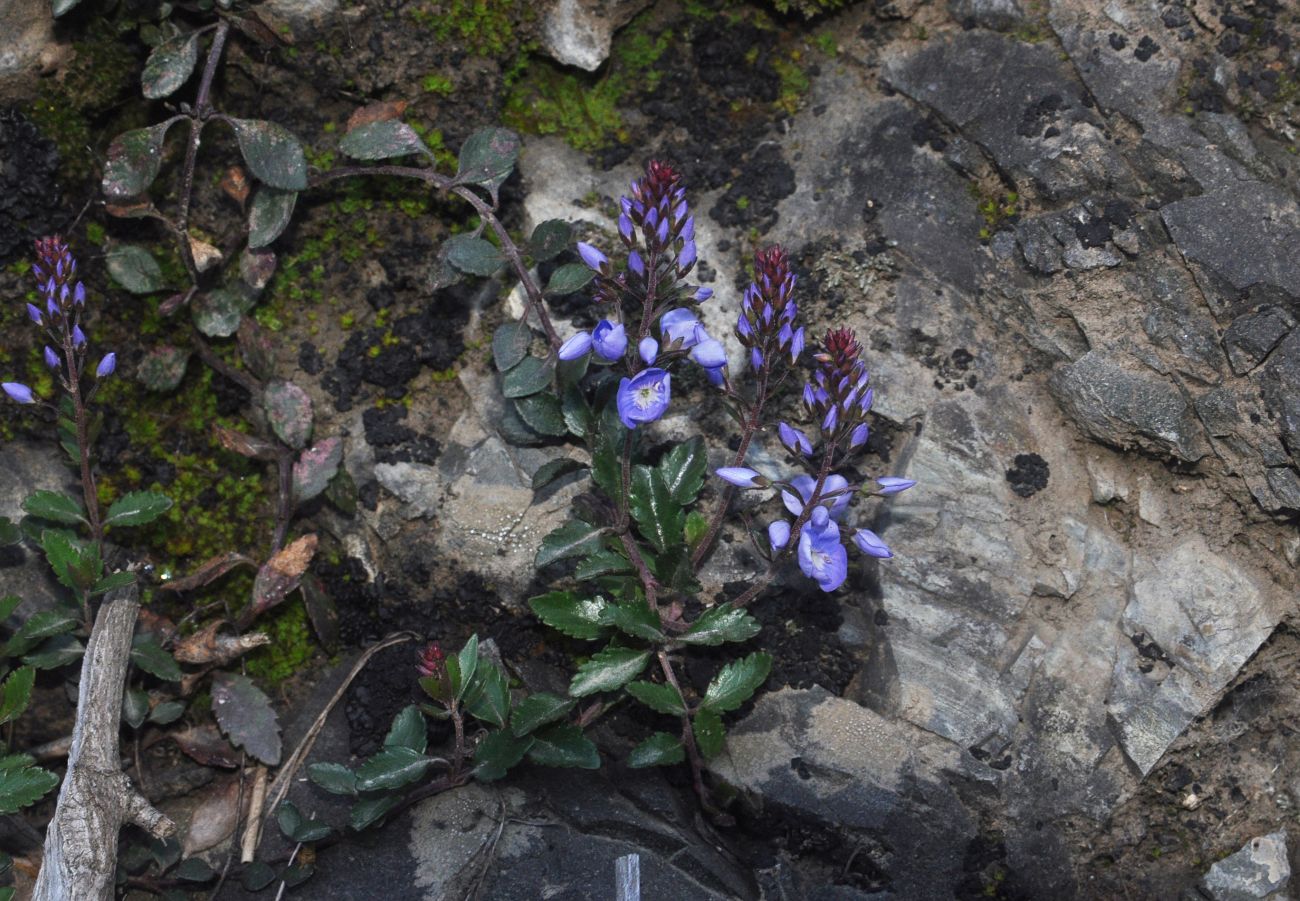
[111, 581]
[272, 153]
[409, 730]
[549, 239]
[382, 140]
[134, 161]
[289, 410]
[577, 415]
[564, 745]
[256, 876]
[606, 457]
[542, 414]
[497, 753]
[369, 811]
[217, 313]
[22, 784]
[510, 344]
[608, 670]
[475, 256]
[56, 507]
[56, 652]
[532, 375]
[138, 508]
[709, 733]
[15, 693]
[602, 563]
[659, 697]
[537, 710]
[170, 65]
[696, 526]
[658, 516]
[633, 617]
[149, 655]
[721, 624]
[392, 768]
[297, 829]
[75, 565]
[736, 682]
[8, 604]
[569, 373]
[163, 368]
[569, 278]
[490, 699]
[269, 215]
[245, 715]
[565, 612]
[135, 269]
[135, 707]
[35, 629]
[167, 712]
[193, 869]
[573, 539]
[334, 778]
[684, 468]
[660, 749]
[9, 533]
[487, 157]
[551, 470]
[466, 665]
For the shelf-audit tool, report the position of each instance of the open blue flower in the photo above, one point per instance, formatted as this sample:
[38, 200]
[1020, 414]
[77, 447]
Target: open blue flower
[609, 340]
[821, 555]
[805, 484]
[644, 397]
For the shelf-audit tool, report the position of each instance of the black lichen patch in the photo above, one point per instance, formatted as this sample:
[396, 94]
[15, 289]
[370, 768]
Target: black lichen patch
[395, 442]
[30, 197]
[1028, 474]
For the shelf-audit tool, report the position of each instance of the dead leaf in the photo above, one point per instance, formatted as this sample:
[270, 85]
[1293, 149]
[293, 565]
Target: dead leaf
[245, 445]
[211, 646]
[211, 570]
[235, 184]
[376, 112]
[205, 255]
[214, 820]
[206, 745]
[279, 576]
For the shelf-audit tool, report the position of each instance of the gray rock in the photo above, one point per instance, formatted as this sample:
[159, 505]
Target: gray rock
[997, 15]
[1252, 336]
[1126, 409]
[305, 17]
[579, 32]
[1040, 248]
[1259, 870]
[29, 49]
[24, 572]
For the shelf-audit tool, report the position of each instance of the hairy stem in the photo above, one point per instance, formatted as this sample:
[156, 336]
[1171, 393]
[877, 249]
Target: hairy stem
[747, 432]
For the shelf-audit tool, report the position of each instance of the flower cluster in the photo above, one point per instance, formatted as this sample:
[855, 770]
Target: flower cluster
[766, 323]
[65, 300]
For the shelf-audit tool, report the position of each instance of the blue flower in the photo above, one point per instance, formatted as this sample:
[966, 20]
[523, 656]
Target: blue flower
[78, 337]
[686, 259]
[778, 534]
[870, 544]
[18, 392]
[703, 294]
[644, 397]
[821, 555]
[859, 436]
[609, 340]
[805, 484]
[106, 366]
[636, 264]
[741, 477]
[577, 346]
[35, 313]
[794, 440]
[625, 227]
[893, 485]
[681, 325]
[591, 256]
[709, 353]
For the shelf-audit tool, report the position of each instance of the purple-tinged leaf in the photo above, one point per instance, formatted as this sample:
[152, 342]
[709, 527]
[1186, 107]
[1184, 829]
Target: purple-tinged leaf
[279, 576]
[134, 160]
[244, 713]
[487, 158]
[256, 349]
[314, 469]
[382, 140]
[170, 65]
[256, 268]
[218, 312]
[211, 570]
[289, 410]
[321, 613]
[135, 269]
[270, 214]
[245, 445]
[273, 154]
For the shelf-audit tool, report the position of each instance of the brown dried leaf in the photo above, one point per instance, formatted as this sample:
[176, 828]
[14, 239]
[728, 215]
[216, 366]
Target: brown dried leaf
[376, 112]
[235, 184]
[210, 571]
[214, 820]
[205, 255]
[206, 745]
[173, 303]
[280, 575]
[130, 210]
[209, 645]
[245, 445]
[155, 624]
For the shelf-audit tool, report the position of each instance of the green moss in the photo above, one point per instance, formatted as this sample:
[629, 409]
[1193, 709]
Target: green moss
[827, 44]
[292, 646]
[490, 28]
[795, 82]
[995, 209]
[437, 84]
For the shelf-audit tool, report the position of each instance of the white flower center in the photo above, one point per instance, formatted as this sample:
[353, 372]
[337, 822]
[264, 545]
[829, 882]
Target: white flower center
[648, 395]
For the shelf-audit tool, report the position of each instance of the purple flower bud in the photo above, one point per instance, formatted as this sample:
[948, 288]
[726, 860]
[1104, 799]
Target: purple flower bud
[859, 436]
[686, 258]
[743, 327]
[688, 230]
[796, 345]
[625, 227]
[78, 337]
[35, 313]
[679, 211]
[741, 477]
[591, 256]
[577, 346]
[662, 231]
[893, 485]
[681, 325]
[644, 397]
[778, 534]
[63, 295]
[756, 358]
[865, 404]
[870, 544]
[79, 295]
[809, 398]
[636, 264]
[51, 308]
[51, 358]
[794, 440]
[106, 366]
[652, 217]
[648, 349]
[21, 393]
[609, 340]
[832, 419]
[703, 294]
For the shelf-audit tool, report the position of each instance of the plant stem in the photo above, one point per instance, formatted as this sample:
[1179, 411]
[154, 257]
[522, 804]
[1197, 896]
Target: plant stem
[688, 740]
[202, 108]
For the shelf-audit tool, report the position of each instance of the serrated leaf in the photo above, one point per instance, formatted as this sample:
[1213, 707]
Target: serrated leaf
[280, 575]
[56, 652]
[217, 313]
[573, 539]
[170, 65]
[487, 157]
[530, 376]
[272, 153]
[138, 508]
[163, 368]
[76, 565]
[537, 710]
[566, 612]
[634, 617]
[55, 506]
[298, 829]
[489, 698]
[392, 768]
[657, 515]
[134, 161]
[371, 810]
[497, 753]
[150, 656]
[659, 697]
[474, 255]
[315, 468]
[736, 682]
[660, 749]
[696, 527]
[335, 778]
[569, 278]
[270, 214]
[8, 604]
[15, 693]
[510, 344]
[465, 665]
[551, 470]
[577, 415]
[24, 785]
[409, 730]
[541, 412]
[709, 734]
[382, 140]
[245, 715]
[602, 563]
[135, 707]
[683, 469]
[288, 409]
[549, 239]
[564, 745]
[135, 269]
[35, 629]
[721, 624]
[608, 670]
[113, 580]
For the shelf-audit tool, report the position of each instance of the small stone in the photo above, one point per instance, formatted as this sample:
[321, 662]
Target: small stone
[1252, 336]
[1258, 870]
[579, 32]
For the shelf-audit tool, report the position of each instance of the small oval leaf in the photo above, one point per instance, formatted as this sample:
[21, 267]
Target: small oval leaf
[134, 160]
[170, 65]
[288, 408]
[270, 214]
[382, 140]
[272, 153]
[135, 269]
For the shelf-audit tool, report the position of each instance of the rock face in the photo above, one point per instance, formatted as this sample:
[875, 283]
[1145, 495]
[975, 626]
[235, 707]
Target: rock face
[29, 48]
[579, 32]
[1259, 870]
